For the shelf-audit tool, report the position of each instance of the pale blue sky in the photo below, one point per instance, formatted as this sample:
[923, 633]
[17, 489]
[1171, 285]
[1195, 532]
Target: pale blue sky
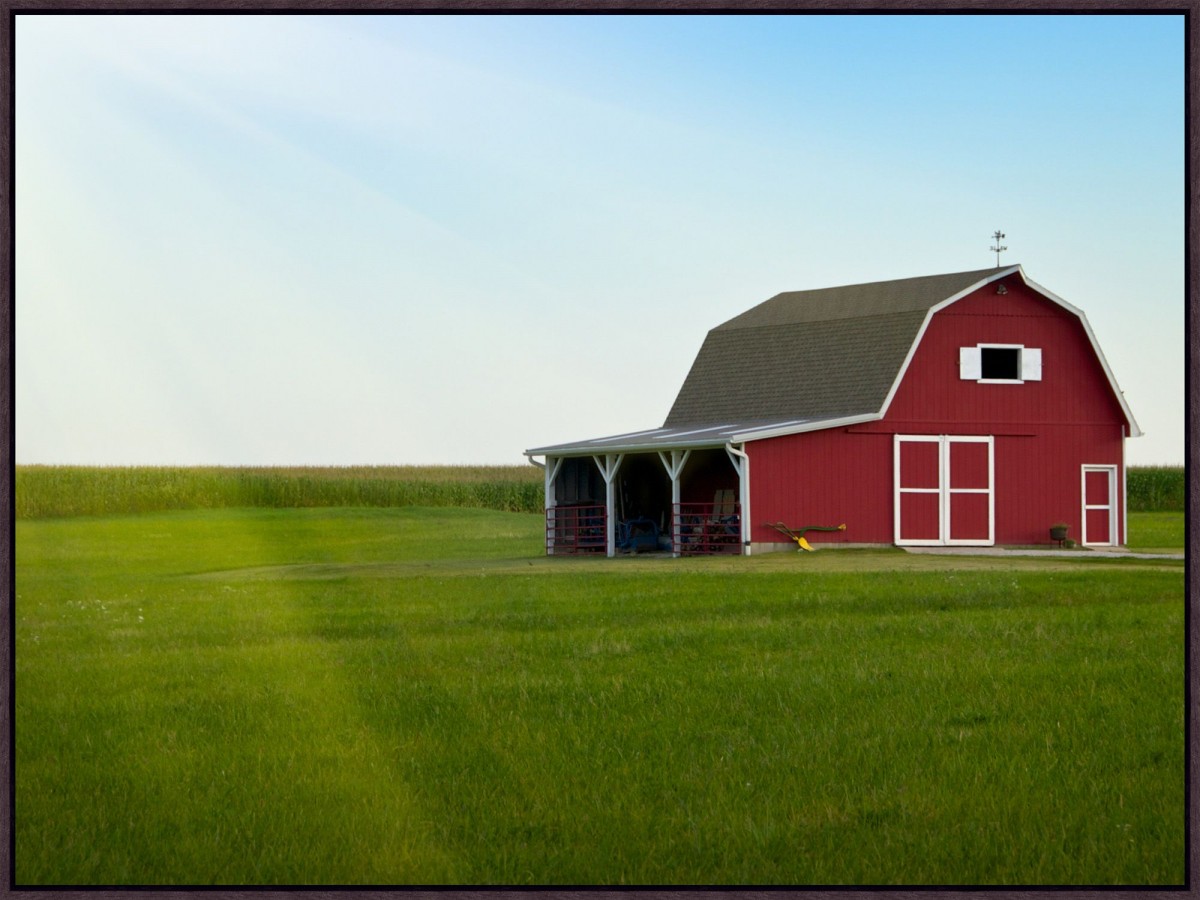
[272, 239]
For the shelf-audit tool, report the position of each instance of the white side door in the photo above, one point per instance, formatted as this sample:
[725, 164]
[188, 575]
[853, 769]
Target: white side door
[1098, 488]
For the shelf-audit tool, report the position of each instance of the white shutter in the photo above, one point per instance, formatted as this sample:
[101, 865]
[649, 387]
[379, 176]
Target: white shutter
[970, 363]
[1031, 364]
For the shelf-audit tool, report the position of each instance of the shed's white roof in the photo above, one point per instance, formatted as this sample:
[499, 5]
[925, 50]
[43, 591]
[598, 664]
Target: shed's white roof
[696, 436]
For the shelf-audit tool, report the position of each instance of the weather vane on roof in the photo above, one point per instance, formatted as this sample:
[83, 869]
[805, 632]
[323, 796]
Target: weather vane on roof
[998, 236]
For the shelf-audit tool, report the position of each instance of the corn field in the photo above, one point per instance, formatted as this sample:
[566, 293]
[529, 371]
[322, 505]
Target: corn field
[1155, 488]
[43, 491]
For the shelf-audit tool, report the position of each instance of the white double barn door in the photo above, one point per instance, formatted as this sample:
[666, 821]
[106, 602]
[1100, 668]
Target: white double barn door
[944, 490]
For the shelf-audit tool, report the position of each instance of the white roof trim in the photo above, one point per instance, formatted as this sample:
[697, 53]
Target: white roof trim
[708, 436]
[1135, 431]
[936, 308]
[615, 445]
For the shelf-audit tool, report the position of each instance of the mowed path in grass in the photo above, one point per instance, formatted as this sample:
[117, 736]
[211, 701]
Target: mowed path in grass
[415, 696]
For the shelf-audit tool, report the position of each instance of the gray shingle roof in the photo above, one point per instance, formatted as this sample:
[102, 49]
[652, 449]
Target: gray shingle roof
[812, 354]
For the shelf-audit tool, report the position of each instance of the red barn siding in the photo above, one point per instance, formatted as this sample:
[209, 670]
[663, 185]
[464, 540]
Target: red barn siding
[1038, 480]
[1045, 431]
[836, 476]
[823, 478]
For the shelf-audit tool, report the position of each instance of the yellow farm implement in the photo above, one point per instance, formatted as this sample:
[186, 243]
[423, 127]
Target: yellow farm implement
[797, 534]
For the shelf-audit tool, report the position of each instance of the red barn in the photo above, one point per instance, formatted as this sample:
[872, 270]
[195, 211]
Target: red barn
[967, 409]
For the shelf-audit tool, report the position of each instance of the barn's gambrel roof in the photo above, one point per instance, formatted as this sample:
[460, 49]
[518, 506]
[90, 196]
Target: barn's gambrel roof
[809, 360]
[812, 354]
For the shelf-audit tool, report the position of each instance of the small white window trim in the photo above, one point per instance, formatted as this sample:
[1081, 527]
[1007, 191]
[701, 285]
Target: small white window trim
[970, 363]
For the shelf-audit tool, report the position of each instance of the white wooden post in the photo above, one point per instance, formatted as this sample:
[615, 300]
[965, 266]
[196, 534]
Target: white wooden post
[608, 469]
[551, 472]
[741, 463]
[674, 469]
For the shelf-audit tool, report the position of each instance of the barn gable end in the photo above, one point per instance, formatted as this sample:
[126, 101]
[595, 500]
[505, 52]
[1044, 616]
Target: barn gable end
[1071, 387]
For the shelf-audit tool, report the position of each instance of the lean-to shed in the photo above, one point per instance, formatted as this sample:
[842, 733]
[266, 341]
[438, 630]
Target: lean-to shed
[974, 408]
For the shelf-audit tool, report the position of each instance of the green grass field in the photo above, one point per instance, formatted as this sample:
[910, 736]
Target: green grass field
[1152, 532]
[419, 696]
